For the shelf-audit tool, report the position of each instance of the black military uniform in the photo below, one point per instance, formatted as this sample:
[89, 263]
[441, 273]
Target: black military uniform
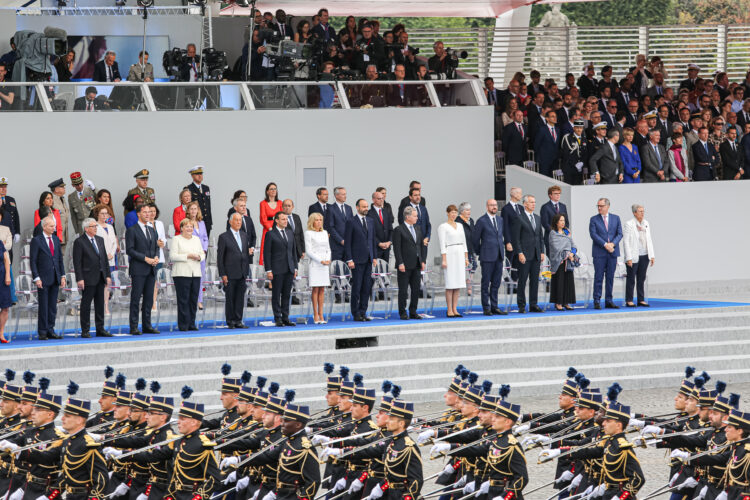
[11, 218]
[737, 478]
[10, 424]
[109, 389]
[136, 474]
[574, 150]
[339, 420]
[587, 431]
[402, 460]
[84, 470]
[202, 194]
[231, 385]
[468, 464]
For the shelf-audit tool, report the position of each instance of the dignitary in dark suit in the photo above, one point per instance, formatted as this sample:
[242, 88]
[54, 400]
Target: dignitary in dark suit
[202, 194]
[360, 256]
[573, 153]
[528, 242]
[240, 206]
[406, 200]
[423, 217]
[335, 222]
[515, 140]
[107, 70]
[321, 206]
[382, 221]
[233, 261]
[410, 256]
[547, 145]
[88, 102]
[294, 223]
[280, 261]
[509, 213]
[731, 157]
[143, 253]
[606, 163]
[606, 232]
[654, 160]
[49, 274]
[705, 157]
[553, 207]
[488, 243]
[92, 276]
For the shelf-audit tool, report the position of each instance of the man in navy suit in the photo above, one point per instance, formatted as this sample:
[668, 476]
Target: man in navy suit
[233, 260]
[280, 260]
[553, 207]
[511, 210]
[487, 239]
[406, 200]
[423, 217]
[143, 254]
[92, 276]
[49, 274]
[606, 232]
[107, 70]
[547, 145]
[528, 242]
[383, 223]
[704, 157]
[335, 222]
[323, 30]
[321, 206]
[360, 255]
[515, 140]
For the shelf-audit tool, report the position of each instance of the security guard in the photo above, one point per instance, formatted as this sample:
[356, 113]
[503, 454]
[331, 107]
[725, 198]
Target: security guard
[202, 194]
[106, 401]
[141, 188]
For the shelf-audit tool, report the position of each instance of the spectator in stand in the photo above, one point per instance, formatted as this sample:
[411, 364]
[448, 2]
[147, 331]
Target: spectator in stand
[335, 222]
[561, 257]
[405, 201]
[745, 148]
[319, 251]
[455, 259]
[731, 157]
[573, 154]
[423, 217]
[515, 140]
[692, 76]
[641, 75]
[587, 84]
[200, 233]
[631, 117]
[717, 137]
[535, 115]
[658, 88]
[654, 159]
[9, 58]
[410, 257]
[179, 212]
[58, 203]
[201, 193]
[131, 218]
[161, 239]
[368, 50]
[107, 69]
[360, 256]
[547, 145]
[607, 81]
[383, 224]
[399, 94]
[631, 160]
[606, 162]
[678, 161]
[92, 276]
[111, 245]
[639, 253]
[731, 122]
[738, 98]
[280, 261]
[606, 232]
[46, 200]
[233, 263]
[188, 261]
[323, 30]
[508, 115]
[535, 87]
[303, 33]
[294, 223]
[348, 36]
[65, 66]
[743, 116]
[238, 195]
[247, 226]
[269, 206]
[553, 207]
[320, 206]
[722, 85]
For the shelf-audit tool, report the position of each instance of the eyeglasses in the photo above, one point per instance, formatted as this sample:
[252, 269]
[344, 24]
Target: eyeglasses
[601, 206]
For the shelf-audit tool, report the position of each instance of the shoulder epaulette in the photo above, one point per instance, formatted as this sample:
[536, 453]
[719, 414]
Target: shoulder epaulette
[306, 443]
[747, 447]
[624, 443]
[207, 443]
[512, 439]
[90, 442]
[408, 441]
[60, 433]
[373, 425]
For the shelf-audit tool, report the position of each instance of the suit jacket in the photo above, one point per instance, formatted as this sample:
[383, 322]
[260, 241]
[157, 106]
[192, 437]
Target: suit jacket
[535, 120]
[547, 149]
[408, 252]
[704, 164]
[650, 163]
[90, 266]
[509, 215]
[280, 255]
[383, 230]
[601, 235]
[231, 260]
[731, 160]
[630, 240]
[203, 196]
[394, 98]
[100, 73]
[630, 120]
[288, 32]
[248, 227]
[547, 212]
[45, 266]
[335, 222]
[588, 86]
[299, 235]
[526, 239]
[315, 208]
[741, 121]
[488, 243]
[609, 167]
[80, 104]
[138, 248]
[359, 246]
[320, 32]
[405, 203]
[666, 132]
[515, 144]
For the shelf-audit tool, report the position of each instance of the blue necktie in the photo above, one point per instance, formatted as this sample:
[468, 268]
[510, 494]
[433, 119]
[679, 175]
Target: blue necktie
[239, 240]
[96, 248]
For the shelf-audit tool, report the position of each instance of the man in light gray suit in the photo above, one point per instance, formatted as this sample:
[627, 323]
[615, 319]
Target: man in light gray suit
[654, 159]
[606, 163]
[81, 201]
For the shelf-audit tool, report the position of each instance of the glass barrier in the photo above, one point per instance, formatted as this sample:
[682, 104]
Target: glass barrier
[197, 97]
[14, 97]
[94, 96]
[382, 94]
[297, 95]
[455, 93]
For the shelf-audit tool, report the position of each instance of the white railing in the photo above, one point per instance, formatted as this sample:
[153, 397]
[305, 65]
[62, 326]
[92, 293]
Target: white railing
[557, 51]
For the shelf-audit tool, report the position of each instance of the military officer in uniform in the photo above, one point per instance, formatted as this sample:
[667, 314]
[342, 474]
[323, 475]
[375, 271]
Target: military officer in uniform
[81, 201]
[737, 478]
[58, 203]
[574, 154]
[202, 194]
[402, 460]
[141, 189]
[106, 401]
[12, 421]
[140, 72]
[136, 474]
[230, 391]
[10, 216]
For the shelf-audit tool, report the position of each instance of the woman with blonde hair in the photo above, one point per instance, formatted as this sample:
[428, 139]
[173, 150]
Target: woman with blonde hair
[194, 214]
[319, 252]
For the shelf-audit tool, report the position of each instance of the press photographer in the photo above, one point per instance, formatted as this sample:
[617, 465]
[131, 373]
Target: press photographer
[368, 50]
[444, 63]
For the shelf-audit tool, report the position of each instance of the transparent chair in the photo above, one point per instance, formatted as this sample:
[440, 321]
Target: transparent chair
[302, 291]
[583, 277]
[120, 299]
[166, 294]
[340, 288]
[26, 302]
[475, 286]
[213, 297]
[382, 285]
[509, 285]
[429, 289]
[545, 281]
[72, 303]
[258, 292]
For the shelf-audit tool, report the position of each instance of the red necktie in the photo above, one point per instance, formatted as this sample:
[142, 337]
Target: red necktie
[51, 246]
[554, 135]
[380, 214]
[520, 129]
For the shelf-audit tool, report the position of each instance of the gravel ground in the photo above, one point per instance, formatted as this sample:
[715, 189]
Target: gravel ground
[653, 462]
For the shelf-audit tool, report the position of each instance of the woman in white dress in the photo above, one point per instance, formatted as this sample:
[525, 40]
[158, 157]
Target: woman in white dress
[319, 252]
[107, 232]
[455, 259]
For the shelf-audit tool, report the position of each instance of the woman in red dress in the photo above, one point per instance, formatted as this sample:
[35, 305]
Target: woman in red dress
[269, 207]
[179, 213]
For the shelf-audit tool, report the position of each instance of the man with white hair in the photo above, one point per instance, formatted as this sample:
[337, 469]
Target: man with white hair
[92, 275]
[107, 70]
[49, 274]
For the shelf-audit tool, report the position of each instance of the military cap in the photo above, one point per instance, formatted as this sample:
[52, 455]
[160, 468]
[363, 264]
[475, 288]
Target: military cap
[385, 403]
[124, 398]
[364, 396]
[725, 405]
[687, 388]
[579, 123]
[587, 66]
[455, 386]
[56, 183]
[650, 114]
[298, 413]
[198, 169]
[489, 402]
[3, 181]
[29, 393]
[191, 409]
[619, 412]
[48, 402]
[140, 402]
[600, 125]
[247, 394]
[347, 388]
[589, 400]
[109, 389]
[260, 397]
[275, 405]
[402, 409]
[570, 388]
[706, 398]
[161, 404]
[76, 178]
[230, 384]
[12, 393]
[508, 410]
[739, 419]
[333, 383]
[78, 407]
[462, 389]
[473, 394]
[141, 174]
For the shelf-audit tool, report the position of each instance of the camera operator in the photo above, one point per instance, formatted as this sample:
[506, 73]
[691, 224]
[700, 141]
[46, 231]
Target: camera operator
[368, 50]
[190, 69]
[372, 94]
[407, 56]
[334, 56]
[142, 71]
[420, 91]
[281, 26]
[6, 95]
[107, 69]
[391, 51]
[323, 30]
[440, 65]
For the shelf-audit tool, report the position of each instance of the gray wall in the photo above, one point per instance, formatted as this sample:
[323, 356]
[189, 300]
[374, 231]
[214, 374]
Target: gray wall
[245, 150]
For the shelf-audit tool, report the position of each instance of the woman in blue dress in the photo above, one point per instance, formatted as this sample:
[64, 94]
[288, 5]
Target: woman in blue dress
[5, 301]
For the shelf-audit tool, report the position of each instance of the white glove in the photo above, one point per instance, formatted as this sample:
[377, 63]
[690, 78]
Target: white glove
[639, 441]
[549, 454]
[638, 424]
[460, 483]
[702, 494]
[355, 487]
[652, 429]
[121, 490]
[448, 469]
[111, 452]
[242, 483]
[587, 493]
[90, 184]
[682, 455]
[227, 461]
[7, 445]
[330, 452]
[425, 436]
[339, 486]
[269, 496]
[720, 496]
[44, 497]
[598, 491]
[470, 487]
[528, 440]
[484, 488]
[579, 166]
[255, 495]
[319, 438]
[16, 239]
[575, 482]
[308, 430]
[616, 497]
[439, 448]
[674, 479]
[377, 492]
[16, 495]
[230, 478]
[521, 429]
[543, 440]
[142, 496]
[688, 483]
[564, 477]
[96, 437]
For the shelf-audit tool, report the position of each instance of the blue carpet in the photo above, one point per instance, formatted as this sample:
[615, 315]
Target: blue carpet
[21, 339]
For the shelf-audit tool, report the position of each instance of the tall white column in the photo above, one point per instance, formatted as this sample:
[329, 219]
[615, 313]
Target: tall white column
[509, 45]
